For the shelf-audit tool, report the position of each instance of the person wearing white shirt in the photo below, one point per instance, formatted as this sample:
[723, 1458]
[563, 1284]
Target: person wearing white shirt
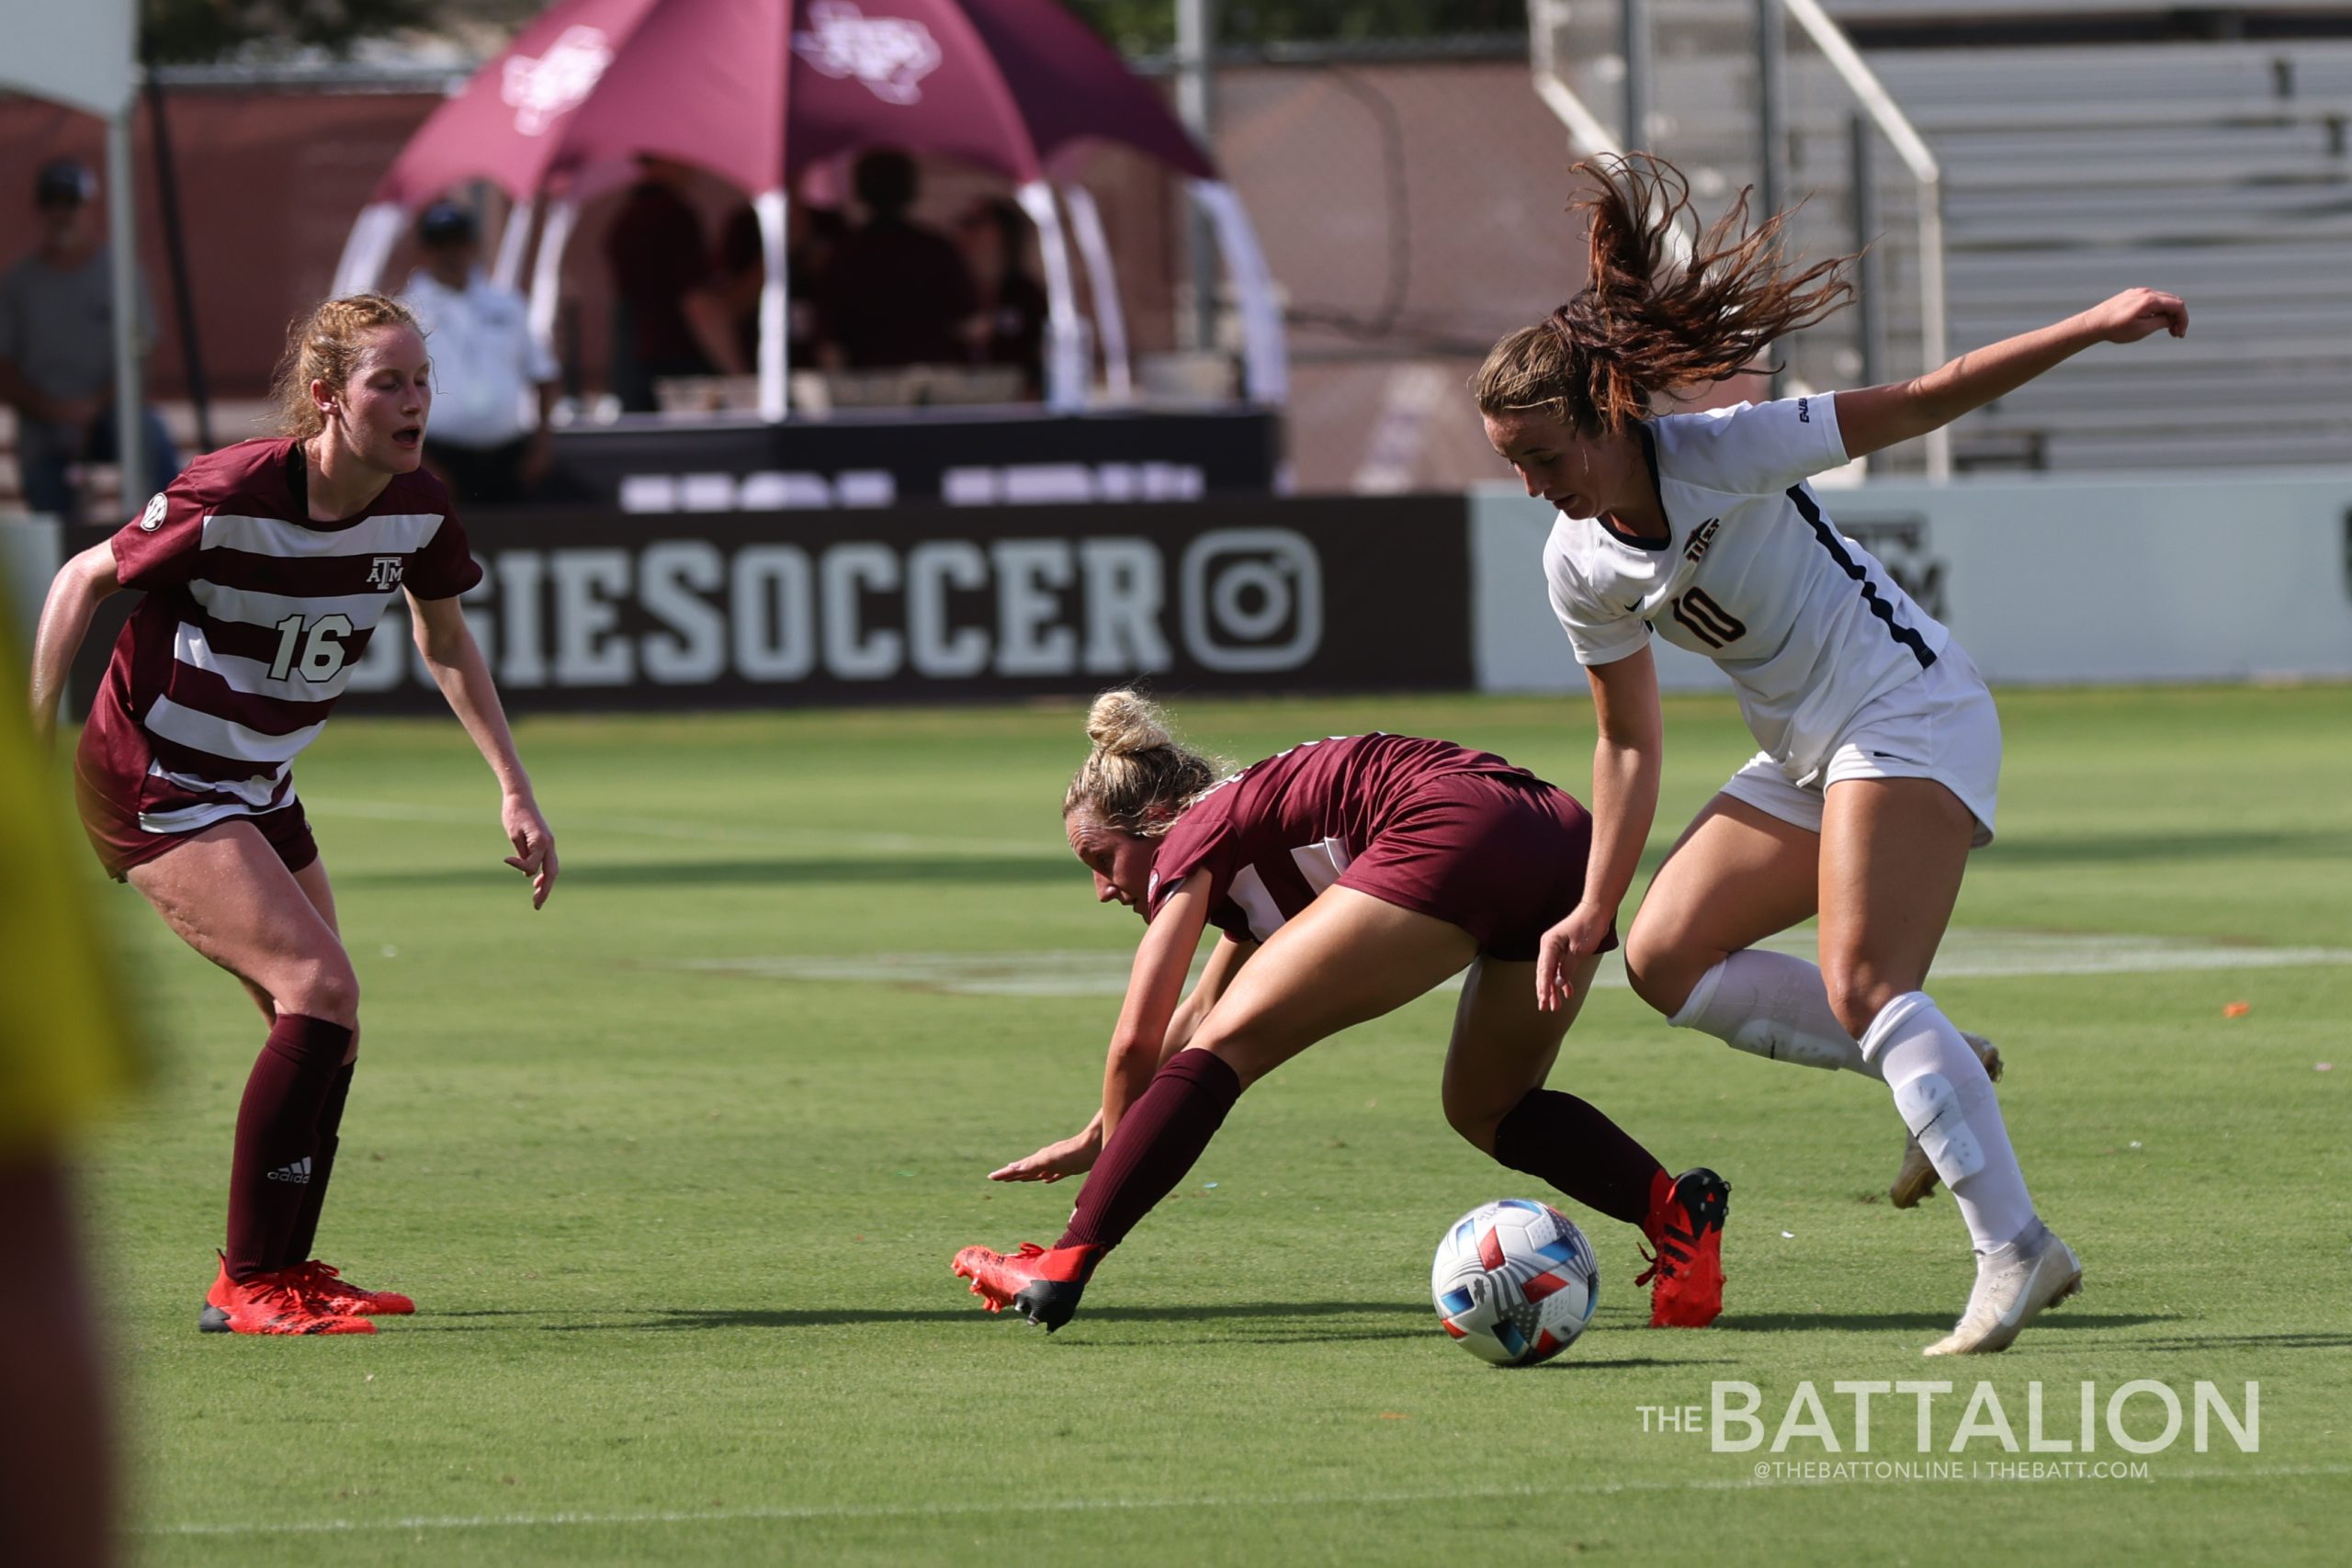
[494, 378]
[1880, 745]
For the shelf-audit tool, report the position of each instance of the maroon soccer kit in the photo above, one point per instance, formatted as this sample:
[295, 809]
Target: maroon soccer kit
[1425, 825]
[253, 618]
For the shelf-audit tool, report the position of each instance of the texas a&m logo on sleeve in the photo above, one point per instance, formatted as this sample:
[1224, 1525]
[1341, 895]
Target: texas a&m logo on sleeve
[384, 572]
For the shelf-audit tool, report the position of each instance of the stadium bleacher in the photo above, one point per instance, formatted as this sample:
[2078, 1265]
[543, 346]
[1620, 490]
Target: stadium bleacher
[2216, 168]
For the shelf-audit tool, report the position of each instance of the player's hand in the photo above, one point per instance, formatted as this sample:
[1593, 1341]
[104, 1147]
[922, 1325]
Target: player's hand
[1068, 1158]
[2136, 313]
[534, 843]
[1577, 937]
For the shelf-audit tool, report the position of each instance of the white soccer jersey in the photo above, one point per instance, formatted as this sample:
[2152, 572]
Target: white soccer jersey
[1752, 574]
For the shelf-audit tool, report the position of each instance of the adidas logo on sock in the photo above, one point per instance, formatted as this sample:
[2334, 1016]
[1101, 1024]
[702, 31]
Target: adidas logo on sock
[299, 1173]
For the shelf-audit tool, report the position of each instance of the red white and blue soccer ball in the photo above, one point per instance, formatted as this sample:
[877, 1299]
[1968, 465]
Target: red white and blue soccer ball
[1515, 1282]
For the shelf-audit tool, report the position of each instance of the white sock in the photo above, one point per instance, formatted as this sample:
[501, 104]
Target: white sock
[1774, 1005]
[1946, 1102]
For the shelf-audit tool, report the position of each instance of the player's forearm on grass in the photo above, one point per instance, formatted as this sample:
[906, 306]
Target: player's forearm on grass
[1625, 804]
[457, 668]
[72, 599]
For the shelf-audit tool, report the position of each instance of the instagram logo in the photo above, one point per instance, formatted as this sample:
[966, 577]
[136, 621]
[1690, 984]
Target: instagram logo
[1253, 599]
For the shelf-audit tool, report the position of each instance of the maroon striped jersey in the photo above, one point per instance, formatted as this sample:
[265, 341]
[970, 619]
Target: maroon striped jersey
[253, 618]
[1280, 831]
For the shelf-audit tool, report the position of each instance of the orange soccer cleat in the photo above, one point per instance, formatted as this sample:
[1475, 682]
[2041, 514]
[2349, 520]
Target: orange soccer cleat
[1044, 1286]
[1686, 1273]
[276, 1303]
[324, 1283]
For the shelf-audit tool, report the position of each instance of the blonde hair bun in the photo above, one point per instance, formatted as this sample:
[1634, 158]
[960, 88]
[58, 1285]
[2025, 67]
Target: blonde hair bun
[1138, 778]
[1124, 722]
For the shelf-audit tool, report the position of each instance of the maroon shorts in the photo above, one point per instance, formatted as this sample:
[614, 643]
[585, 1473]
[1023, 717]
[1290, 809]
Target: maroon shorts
[122, 844]
[1502, 858]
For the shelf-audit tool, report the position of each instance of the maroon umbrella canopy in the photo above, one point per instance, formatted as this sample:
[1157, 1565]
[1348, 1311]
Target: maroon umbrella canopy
[757, 90]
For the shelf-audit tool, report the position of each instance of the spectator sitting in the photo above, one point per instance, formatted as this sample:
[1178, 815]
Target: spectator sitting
[493, 379]
[893, 293]
[667, 319]
[1009, 328]
[57, 350]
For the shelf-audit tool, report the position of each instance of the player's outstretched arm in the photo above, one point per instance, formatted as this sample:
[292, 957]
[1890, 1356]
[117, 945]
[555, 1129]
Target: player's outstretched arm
[73, 596]
[1874, 418]
[1626, 760]
[456, 661]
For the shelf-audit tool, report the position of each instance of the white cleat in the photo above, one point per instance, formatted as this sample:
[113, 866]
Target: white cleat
[2013, 1282]
[1916, 1178]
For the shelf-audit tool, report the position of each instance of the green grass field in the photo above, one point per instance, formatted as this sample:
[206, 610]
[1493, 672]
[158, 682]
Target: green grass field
[675, 1167]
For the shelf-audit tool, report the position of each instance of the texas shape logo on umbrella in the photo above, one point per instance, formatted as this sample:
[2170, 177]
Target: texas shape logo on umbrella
[891, 55]
[543, 90]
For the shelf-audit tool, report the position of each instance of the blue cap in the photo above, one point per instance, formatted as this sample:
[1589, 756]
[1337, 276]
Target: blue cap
[64, 181]
[446, 224]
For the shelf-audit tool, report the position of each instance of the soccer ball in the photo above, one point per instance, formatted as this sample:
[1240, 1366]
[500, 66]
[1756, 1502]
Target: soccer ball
[1515, 1282]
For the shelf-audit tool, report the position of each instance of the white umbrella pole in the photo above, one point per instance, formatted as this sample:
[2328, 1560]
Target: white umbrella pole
[1103, 279]
[368, 246]
[775, 305]
[1066, 356]
[514, 243]
[130, 392]
[546, 267]
[1265, 364]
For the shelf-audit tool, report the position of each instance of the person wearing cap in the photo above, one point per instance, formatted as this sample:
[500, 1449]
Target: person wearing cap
[57, 348]
[494, 378]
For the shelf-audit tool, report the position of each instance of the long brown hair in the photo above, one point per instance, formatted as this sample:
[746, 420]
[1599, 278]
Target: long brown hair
[1138, 778]
[1642, 325]
[324, 346]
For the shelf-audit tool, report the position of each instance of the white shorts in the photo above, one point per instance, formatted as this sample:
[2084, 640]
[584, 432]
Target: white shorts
[1941, 726]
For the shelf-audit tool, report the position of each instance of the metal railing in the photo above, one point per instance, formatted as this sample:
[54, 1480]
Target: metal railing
[1590, 130]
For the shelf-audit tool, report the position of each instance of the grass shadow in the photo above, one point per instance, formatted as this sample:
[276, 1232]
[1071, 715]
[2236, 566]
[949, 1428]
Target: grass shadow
[2125, 849]
[1941, 1322]
[2292, 1339]
[990, 870]
[674, 1319]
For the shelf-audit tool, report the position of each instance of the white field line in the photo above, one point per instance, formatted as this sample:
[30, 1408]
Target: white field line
[1089, 1504]
[1044, 848]
[1966, 953]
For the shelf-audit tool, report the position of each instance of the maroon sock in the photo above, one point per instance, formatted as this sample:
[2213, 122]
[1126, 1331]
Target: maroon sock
[315, 1194]
[1568, 1143]
[1157, 1142]
[277, 1138]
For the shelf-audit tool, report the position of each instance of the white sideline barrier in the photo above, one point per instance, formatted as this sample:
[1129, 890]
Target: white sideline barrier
[2104, 578]
[32, 550]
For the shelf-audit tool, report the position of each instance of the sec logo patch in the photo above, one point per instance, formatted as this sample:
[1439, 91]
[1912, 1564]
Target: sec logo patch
[152, 518]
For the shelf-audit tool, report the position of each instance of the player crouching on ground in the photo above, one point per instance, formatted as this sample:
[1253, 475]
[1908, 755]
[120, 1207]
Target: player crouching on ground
[1348, 876]
[266, 566]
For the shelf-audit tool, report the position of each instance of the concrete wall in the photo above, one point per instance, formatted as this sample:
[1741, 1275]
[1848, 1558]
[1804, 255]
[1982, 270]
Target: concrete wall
[2241, 576]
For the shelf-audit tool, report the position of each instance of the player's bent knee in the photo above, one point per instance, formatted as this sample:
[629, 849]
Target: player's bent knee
[1858, 994]
[327, 990]
[1476, 1125]
[1662, 975]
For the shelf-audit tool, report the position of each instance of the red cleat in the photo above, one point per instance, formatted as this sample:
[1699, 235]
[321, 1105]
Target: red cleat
[275, 1302]
[1043, 1286]
[324, 1283]
[1686, 1273]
